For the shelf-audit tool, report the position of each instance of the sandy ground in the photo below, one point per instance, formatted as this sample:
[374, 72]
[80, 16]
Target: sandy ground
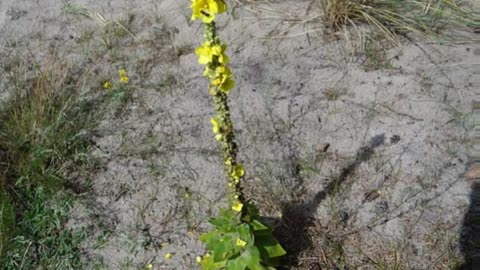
[374, 157]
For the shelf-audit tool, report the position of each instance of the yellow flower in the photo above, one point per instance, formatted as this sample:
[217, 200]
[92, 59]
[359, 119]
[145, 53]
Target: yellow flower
[107, 85]
[122, 72]
[223, 79]
[123, 76]
[237, 206]
[237, 171]
[206, 53]
[124, 79]
[219, 51]
[240, 243]
[208, 72]
[149, 266]
[198, 259]
[221, 75]
[215, 125]
[168, 256]
[206, 9]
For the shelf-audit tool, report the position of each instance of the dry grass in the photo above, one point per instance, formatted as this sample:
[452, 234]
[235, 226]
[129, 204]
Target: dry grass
[390, 19]
[112, 28]
[394, 18]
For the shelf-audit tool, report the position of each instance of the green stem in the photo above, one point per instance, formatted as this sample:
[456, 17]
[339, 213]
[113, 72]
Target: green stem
[229, 146]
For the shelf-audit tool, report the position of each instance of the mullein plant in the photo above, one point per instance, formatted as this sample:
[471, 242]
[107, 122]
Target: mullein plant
[239, 240]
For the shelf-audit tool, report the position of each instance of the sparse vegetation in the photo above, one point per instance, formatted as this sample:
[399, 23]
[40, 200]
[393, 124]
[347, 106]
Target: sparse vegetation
[350, 169]
[393, 19]
[43, 138]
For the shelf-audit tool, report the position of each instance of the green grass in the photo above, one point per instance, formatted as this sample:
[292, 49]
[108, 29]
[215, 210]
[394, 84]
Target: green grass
[7, 220]
[43, 127]
[41, 238]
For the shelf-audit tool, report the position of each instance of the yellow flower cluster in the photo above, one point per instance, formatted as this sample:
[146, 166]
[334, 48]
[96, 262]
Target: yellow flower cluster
[212, 54]
[107, 85]
[215, 59]
[237, 172]
[123, 76]
[207, 53]
[207, 9]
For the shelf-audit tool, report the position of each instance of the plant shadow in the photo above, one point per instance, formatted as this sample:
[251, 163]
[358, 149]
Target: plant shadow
[292, 230]
[470, 232]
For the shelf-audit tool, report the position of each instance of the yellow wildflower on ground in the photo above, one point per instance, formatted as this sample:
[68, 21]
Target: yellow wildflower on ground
[240, 243]
[206, 52]
[168, 256]
[149, 266]
[198, 259]
[123, 76]
[207, 9]
[237, 206]
[107, 85]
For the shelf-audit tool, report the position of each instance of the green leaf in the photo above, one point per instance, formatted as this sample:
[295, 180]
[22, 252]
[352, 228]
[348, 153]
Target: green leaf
[211, 239]
[207, 263]
[252, 211]
[261, 229]
[245, 234]
[220, 252]
[235, 264]
[224, 249]
[225, 222]
[249, 258]
[269, 247]
[252, 257]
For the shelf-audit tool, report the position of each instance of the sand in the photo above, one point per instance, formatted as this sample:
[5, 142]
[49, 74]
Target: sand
[397, 129]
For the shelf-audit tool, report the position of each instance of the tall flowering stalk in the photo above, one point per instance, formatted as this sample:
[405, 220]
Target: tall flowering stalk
[239, 241]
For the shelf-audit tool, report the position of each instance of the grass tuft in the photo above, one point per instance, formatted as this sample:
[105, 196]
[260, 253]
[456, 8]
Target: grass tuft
[43, 128]
[395, 18]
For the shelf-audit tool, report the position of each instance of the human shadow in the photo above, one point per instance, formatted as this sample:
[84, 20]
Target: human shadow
[470, 232]
[297, 217]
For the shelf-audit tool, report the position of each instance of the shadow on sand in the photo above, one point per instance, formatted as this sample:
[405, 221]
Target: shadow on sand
[292, 230]
[470, 232]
